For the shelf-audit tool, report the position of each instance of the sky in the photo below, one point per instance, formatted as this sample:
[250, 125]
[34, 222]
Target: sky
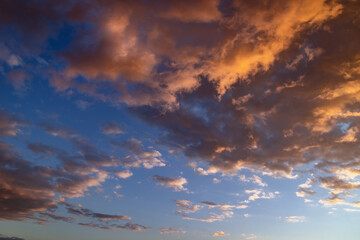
[156, 119]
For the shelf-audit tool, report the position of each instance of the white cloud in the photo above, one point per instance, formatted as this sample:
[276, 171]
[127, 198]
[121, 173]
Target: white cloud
[260, 194]
[295, 219]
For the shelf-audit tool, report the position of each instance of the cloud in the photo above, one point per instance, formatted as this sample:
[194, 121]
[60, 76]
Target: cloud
[304, 193]
[187, 11]
[215, 180]
[259, 194]
[124, 174]
[219, 233]
[261, 86]
[127, 226]
[10, 123]
[224, 207]
[35, 192]
[186, 207]
[254, 179]
[351, 210]
[153, 70]
[9, 57]
[139, 156]
[248, 236]
[111, 128]
[171, 230]
[2, 237]
[85, 212]
[175, 183]
[295, 219]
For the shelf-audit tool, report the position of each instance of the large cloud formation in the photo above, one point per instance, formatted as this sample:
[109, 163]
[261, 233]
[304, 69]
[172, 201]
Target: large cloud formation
[268, 86]
[33, 191]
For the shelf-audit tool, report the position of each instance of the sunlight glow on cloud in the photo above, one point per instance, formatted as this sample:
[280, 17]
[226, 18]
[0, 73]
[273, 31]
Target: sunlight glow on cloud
[126, 106]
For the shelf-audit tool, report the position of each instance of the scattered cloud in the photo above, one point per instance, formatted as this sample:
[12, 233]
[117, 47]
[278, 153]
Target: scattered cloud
[124, 174]
[112, 128]
[10, 124]
[171, 230]
[295, 219]
[260, 194]
[248, 236]
[186, 207]
[254, 179]
[176, 183]
[219, 233]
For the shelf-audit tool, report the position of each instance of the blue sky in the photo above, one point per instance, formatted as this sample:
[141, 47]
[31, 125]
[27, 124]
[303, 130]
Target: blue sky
[179, 120]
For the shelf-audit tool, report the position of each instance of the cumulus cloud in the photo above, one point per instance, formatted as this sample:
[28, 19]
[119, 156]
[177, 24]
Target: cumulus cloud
[219, 233]
[260, 194]
[186, 206]
[176, 183]
[124, 174]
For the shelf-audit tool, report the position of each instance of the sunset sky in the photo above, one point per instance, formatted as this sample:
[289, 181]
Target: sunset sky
[191, 120]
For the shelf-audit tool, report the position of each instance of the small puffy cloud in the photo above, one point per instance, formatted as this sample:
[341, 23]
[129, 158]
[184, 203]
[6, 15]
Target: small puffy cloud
[219, 233]
[295, 219]
[187, 206]
[176, 183]
[111, 128]
[123, 174]
[201, 171]
[304, 193]
[215, 180]
[260, 194]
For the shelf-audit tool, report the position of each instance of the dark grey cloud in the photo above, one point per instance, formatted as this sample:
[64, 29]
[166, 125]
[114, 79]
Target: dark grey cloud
[2, 237]
[85, 212]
